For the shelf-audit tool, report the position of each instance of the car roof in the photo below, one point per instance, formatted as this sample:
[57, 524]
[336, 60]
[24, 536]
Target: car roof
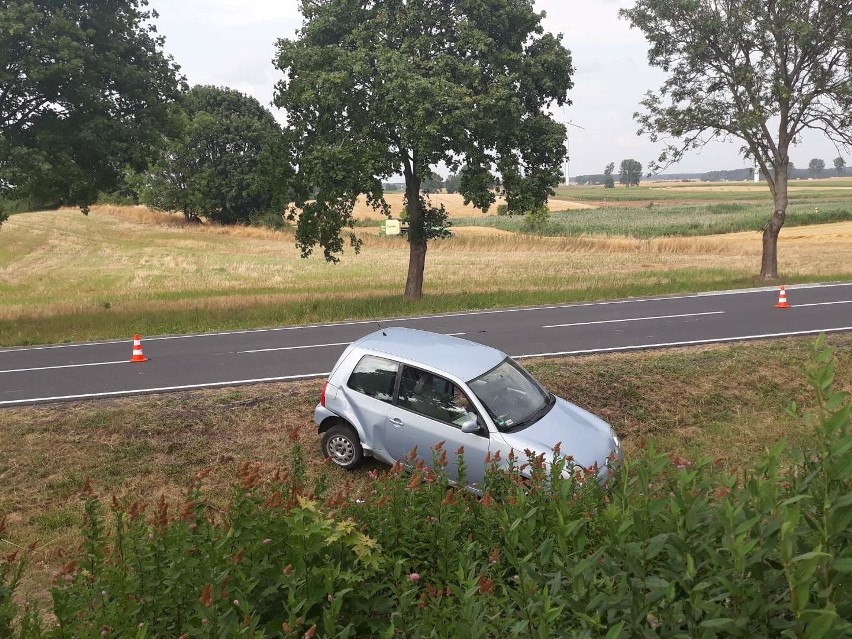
[460, 357]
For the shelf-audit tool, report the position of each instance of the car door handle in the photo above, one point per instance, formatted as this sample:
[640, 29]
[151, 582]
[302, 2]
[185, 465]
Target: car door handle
[396, 421]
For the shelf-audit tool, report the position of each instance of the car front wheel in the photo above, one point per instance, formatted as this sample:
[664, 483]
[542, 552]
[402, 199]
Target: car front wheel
[341, 445]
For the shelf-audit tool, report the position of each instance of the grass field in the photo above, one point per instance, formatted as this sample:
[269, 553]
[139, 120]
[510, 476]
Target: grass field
[679, 220]
[726, 402]
[122, 270]
[691, 192]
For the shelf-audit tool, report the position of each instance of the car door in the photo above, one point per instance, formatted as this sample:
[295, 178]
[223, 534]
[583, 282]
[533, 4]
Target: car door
[370, 390]
[429, 409]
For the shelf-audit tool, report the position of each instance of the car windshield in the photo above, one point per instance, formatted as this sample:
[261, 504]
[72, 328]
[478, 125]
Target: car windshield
[511, 396]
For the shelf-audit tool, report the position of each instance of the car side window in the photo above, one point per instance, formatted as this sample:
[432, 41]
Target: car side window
[433, 396]
[374, 376]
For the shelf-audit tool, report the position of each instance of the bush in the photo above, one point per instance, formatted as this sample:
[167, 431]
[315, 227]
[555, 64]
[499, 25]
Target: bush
[673, 548]
[274, 220]
[538, 221]
[503, 209]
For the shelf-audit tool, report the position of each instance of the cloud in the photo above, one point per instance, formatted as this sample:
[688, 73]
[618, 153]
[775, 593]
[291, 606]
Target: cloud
[231, 43]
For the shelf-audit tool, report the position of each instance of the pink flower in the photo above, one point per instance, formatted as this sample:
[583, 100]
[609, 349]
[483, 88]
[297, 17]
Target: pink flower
[267, 541]
[414, 577]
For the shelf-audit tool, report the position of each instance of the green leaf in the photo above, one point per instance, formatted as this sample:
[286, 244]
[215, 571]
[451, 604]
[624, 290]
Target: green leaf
[842, 565]
[820, 623]
[717, 623]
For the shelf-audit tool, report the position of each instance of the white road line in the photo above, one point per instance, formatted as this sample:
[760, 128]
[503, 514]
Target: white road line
[388, 321]
[162, 389]
[315, 375]
[293, 348]
[47, 368]
[821, 303]
[634, 319]
[688, 343]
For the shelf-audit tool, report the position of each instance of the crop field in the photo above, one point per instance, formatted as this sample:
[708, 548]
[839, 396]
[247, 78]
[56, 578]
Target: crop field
[691, 192]
[121, 270]
[678, 220]
[453, 203]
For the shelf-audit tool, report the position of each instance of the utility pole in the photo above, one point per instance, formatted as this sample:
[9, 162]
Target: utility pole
[568, 151]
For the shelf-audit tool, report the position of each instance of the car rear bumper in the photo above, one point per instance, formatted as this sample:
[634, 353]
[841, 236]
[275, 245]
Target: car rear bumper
[321, 413]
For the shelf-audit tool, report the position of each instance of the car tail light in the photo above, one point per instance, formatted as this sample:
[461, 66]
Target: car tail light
[322, 395]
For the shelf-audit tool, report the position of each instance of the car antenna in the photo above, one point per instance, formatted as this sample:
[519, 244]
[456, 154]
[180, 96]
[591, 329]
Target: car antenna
[381, 328]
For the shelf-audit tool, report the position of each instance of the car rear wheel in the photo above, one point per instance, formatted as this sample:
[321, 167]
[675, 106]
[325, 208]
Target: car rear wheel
[342, 446]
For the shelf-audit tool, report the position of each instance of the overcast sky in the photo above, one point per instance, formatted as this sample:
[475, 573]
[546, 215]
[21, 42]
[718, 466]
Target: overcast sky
[231, 43]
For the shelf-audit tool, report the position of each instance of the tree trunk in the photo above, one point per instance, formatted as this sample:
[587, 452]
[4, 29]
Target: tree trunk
[416, 239]
[416, 266]
[769, 261]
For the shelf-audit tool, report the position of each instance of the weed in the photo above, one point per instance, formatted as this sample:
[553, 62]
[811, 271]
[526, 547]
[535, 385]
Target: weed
[672, 547]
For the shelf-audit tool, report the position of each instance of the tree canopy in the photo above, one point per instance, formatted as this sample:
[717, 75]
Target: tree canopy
[228, 161]
[376, 89]
[839, 166]
[759, 71]
[85, 91]
[631, 172]
[816, 166]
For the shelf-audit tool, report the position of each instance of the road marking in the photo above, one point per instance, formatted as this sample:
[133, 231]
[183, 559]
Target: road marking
[47, 368]
[820, 304]
[283, 378]
[293, 348]
[634, 319]
[163, 389]
[637, 300]
[688, 343]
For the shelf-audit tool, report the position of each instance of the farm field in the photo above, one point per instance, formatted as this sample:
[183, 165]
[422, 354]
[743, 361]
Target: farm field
[454, 204]
[724, 402]
[122, 270]
[686, 192]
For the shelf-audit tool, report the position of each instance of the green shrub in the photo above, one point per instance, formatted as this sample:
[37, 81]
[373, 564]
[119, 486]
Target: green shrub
[274, 220]
[503, 209]
[538, 221]
[672, 548]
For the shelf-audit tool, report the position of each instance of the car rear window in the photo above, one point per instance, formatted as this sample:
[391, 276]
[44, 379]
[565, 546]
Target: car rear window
[374, 376]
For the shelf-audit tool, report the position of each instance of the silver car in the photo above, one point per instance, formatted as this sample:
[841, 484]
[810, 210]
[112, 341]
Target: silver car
[398, 388]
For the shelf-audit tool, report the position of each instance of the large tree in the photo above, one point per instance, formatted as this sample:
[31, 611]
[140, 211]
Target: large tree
[630, 172]
[378, 88]
[816, 166]
[839, 166]
[228, 161]
[759, 71]
[84, 89]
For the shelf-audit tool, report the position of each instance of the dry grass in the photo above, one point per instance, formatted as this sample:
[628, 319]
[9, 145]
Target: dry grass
[723, 401]
[124, 266]
[454, 203]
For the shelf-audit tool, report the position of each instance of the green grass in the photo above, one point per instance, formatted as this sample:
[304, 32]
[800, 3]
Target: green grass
[671, 220]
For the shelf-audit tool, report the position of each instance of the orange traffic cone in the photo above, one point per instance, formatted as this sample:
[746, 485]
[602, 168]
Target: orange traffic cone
[137, 350]
[782, 298]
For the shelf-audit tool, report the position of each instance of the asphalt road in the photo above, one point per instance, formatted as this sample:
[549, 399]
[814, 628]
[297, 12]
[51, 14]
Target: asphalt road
[101, 369]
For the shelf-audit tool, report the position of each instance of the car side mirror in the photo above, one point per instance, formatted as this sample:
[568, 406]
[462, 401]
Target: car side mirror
[469, 426]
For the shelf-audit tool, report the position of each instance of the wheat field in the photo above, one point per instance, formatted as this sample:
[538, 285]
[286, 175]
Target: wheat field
[131, 262]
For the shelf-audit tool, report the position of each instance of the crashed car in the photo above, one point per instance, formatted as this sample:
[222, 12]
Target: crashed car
[400, 389]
